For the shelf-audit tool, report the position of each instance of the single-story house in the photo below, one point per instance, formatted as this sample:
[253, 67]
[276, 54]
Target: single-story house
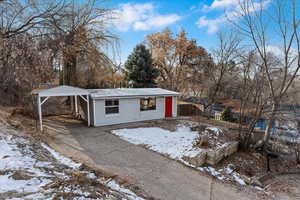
[116, 106]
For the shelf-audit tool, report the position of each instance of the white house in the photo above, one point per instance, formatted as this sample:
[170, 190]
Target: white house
[116, 106]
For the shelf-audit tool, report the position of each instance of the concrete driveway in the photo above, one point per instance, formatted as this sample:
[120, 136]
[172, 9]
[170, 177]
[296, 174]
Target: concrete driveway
[159, 176]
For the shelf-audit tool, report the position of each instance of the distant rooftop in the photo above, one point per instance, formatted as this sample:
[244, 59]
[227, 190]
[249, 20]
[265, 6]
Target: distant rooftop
[130, 92]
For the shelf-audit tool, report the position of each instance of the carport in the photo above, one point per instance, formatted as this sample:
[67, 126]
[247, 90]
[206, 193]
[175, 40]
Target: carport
[62, 91]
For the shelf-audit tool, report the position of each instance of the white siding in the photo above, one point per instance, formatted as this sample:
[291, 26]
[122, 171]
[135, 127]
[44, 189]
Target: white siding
[129, 111]
[174, 107]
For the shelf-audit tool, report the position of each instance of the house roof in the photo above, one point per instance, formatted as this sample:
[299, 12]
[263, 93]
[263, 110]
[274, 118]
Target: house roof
[130, 92]
[65, 90]
[196, 100]
[62, 90]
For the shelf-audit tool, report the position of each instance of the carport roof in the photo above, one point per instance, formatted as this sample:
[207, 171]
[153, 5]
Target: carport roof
[62, 90]
[130, 92]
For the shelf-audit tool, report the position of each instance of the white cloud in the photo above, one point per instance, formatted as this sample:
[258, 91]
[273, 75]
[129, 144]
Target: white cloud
[276, 50]
[279, 51]
[193, 7]
[211, 24]
[223, 4]
[156, 21]
[141, 17]
[231, 9]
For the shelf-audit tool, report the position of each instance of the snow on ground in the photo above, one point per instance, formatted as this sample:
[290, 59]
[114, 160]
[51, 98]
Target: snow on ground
[115, 186]
[215, 129]
[175, 144]
[62, 159]
[30, 170]
[12, 160]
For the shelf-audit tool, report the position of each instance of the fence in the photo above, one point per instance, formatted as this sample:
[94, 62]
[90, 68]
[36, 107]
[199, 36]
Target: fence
[189, 110]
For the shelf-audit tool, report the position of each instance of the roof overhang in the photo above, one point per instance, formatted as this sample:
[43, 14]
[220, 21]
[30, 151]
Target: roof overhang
[130, 93]
[61, 91]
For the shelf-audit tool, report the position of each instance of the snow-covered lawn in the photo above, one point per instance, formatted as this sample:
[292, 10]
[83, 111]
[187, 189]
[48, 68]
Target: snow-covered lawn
[30, 170]
[175, 144]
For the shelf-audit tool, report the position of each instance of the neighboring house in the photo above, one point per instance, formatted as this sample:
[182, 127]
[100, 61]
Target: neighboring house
[115, 106]
[261, 125]
[287, 119]
[218, 115]
[217, 111]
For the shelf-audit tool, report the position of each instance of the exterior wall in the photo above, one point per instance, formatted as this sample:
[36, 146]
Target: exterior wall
[174, 106]
[217, 115]
[129, 111]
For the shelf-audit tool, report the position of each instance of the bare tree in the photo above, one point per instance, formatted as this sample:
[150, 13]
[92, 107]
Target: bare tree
[285, 25]
[225, 57]
[251, 89]
[26, 58]
[37, 36]
[17, 16]
[81, 29]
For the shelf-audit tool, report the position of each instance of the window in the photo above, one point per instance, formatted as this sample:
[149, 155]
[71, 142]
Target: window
[147, 104]
[111, 106]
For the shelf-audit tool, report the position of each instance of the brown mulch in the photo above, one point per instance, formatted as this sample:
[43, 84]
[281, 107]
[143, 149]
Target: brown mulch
[254, 164]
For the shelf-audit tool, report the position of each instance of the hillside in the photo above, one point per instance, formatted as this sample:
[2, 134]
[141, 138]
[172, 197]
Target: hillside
[29, 169]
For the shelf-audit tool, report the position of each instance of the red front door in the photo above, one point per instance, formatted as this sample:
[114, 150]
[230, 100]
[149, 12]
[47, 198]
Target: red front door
[168, 107]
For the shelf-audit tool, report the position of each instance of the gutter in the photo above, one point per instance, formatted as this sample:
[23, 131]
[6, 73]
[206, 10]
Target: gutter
[133, 96]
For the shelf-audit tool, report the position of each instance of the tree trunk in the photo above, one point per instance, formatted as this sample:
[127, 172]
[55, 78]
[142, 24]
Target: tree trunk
[270, 124]
[69, 70]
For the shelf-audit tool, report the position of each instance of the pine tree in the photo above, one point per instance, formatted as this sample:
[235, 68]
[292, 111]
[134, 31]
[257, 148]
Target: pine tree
[140, 72]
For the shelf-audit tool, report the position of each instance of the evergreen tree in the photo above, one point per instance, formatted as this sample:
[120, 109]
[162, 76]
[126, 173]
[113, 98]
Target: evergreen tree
[140, 72]
[226, 115]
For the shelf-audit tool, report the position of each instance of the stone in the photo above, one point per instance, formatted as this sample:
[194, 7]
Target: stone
[254, 181]
[246, 179]
[199, 128]
[203, 140]
[231, 148]
[231, 166]
[15, 124]
[220, 154]
[211, 157]
[196, 161]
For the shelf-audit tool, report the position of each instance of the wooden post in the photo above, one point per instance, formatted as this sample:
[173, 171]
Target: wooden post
[40, 112]
[76, 106]
[88, 110]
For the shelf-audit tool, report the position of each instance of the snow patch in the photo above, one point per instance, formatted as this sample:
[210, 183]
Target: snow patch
[21, 172]
[115, 186]
[62, 159]
[215, 129]
[175, 144]
[238, 179]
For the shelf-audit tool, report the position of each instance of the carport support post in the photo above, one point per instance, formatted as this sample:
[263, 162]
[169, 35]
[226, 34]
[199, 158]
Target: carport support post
[88, 109]
[40, 112]
[76, 106]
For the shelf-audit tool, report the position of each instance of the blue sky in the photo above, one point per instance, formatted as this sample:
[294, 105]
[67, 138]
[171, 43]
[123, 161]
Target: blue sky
[202, 19]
